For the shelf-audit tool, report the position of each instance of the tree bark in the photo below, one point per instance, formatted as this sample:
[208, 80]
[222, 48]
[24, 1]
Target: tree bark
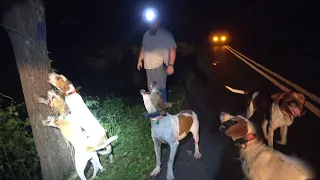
[25, 24]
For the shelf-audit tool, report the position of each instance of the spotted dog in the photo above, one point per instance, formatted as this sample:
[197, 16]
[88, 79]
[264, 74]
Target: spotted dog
[167, 128]
[279, 111]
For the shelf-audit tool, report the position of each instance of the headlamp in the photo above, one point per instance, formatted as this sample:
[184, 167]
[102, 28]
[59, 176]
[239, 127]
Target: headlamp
[150, 15]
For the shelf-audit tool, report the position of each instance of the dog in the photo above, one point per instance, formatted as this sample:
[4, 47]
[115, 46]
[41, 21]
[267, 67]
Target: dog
[55, 100]
[167, 128]
[279, 111]
[79, 111]
[72, 132]
[260, 162]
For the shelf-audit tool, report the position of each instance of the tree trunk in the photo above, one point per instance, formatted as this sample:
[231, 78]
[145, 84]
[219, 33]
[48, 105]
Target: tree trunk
[25, 24]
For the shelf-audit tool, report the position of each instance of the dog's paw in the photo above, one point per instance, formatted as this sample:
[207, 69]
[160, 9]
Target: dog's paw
[155, 171]
[281, 142]
[103, 169]
[197, 155]
[45, 122]
[42, 100]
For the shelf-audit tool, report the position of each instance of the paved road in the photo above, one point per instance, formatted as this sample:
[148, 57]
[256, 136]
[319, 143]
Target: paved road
[208, 98]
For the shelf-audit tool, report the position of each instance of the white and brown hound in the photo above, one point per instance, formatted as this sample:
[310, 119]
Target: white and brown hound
[260, 162]
[79, 110]
[279, 111]
[71, 130]
[167, 128]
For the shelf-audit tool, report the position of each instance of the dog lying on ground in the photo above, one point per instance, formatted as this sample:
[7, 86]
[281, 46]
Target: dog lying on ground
[79, 110]
[72, 131]
[167, 128]
[279, 111]
[260, 162]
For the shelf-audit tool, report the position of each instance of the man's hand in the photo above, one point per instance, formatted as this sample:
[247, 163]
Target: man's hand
[170, 70]
[139, 65]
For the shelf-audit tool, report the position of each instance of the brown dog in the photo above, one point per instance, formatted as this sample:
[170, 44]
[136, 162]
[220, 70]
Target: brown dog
[279, 111]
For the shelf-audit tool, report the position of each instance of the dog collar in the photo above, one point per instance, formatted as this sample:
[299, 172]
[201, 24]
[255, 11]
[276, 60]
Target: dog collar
[244, 140]
[156, 116]
[70, 93]
[152, 115]
[63, 117]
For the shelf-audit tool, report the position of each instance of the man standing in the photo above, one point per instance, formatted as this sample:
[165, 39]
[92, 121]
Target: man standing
[158, 54]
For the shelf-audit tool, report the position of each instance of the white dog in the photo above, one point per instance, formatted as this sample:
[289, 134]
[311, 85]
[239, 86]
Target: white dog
[167, 128]
[79, 110]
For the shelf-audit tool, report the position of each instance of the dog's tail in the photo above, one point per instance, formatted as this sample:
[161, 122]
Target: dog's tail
[108, 149]
[238, 91]
[104, 145]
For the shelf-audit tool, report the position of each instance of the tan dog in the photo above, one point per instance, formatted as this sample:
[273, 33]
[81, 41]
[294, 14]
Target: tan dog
[55, 102]
[71, 130]
[167, 128]
[260, 162]
[279, 111]
[79, 110]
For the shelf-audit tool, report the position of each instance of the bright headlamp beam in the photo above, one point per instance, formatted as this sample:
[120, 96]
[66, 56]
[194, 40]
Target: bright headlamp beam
[150, 15]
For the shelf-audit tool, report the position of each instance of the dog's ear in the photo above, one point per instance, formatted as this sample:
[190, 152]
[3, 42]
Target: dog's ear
[300, 98]
[63, 77]
[63, 85]
[167, 105]
[277, 96]
[162, 107]
[238, 130]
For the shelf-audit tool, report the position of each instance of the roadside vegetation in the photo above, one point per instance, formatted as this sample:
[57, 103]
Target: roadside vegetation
[119, 114]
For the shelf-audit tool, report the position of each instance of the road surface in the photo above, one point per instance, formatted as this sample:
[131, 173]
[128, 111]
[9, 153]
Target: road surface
[208, 98]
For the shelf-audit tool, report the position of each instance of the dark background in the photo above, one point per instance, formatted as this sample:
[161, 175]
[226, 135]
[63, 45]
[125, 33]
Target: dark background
[282, 35]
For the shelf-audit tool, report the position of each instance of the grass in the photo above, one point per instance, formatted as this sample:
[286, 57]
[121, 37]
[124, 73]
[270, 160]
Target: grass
[134, 156]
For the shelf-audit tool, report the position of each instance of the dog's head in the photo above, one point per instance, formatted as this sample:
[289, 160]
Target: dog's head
[291, 102]
[57, 103]
[153, 101]
[235, 127]
[59, 81]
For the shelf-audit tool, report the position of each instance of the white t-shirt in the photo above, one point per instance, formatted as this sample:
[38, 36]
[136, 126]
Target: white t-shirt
[156, 48]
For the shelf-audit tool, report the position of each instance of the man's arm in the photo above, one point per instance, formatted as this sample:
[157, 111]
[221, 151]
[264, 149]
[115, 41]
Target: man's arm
[172, 56]
[141, 54]
[170, 44]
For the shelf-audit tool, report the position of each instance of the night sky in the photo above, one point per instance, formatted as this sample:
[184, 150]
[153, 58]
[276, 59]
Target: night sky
[277, 33]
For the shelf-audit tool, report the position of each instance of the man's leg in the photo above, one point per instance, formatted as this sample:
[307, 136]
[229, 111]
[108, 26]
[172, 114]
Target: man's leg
[158, 75]
[164, 94]
[149, 73]
[161, 75]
